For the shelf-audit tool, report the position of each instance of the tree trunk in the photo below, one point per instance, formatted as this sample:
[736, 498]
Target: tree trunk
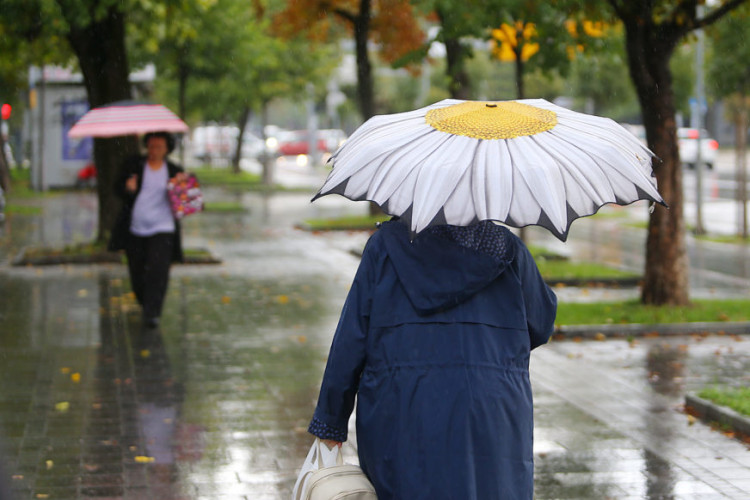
[100, 49]
[666, 273]
[4, 167]
[266, 159]
[520, 93]
[365, 86]
[741, 152]
[183, 72]
[244, 116]
[455, 56]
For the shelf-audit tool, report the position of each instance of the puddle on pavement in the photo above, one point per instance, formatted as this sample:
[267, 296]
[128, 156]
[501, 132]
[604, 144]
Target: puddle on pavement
[216, 402]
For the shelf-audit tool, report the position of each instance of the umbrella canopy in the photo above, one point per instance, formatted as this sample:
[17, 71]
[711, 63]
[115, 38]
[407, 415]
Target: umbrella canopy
[518, 162]
[126, 118]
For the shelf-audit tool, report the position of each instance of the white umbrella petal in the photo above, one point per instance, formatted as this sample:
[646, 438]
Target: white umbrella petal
[594, 180]
[459, 207]
[499, 177]
[438, 177]
[379, 148]
[542, 175]
[625, 173]
[401, 164]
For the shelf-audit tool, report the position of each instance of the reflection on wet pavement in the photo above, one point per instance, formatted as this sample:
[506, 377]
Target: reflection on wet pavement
[215, 404]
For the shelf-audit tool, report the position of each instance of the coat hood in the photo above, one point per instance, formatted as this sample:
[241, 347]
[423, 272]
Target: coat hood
[437, 271]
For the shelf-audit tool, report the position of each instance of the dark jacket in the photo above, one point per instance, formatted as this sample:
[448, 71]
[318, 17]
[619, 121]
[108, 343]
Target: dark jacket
[121, 229]
[434, 339]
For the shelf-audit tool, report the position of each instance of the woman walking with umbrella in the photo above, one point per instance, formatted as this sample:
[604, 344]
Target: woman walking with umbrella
[434, 340]
[146, 228]
[435, 336]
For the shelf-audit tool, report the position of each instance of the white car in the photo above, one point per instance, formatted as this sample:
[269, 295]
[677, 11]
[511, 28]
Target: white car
[687, 140]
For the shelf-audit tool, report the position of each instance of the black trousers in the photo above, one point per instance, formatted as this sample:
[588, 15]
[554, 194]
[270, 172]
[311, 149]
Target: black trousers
[149, 259]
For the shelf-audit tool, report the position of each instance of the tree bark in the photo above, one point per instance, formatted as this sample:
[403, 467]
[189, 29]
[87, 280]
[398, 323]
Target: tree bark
[100, 49]
[666, 272]
[244, 116]
[520, 92]
[455, 56]
[741, 152]
[365, 85]
[183, 73]
[4, 167]
[266, 160]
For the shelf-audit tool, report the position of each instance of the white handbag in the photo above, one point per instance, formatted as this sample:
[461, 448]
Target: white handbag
[325, 476]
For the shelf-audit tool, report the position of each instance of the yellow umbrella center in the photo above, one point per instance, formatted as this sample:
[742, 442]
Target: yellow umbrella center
[491, 120]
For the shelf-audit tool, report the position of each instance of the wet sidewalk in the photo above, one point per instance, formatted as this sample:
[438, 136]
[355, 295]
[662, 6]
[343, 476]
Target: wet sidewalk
[214, 405]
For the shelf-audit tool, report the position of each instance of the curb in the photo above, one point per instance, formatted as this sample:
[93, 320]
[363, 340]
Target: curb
[710, 412]
[665, 329]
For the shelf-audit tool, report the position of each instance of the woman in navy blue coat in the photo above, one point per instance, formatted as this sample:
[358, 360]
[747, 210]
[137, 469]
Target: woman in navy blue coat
[434, 340]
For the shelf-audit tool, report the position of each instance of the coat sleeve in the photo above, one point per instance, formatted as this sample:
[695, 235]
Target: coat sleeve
[539, 300]
[347, 356]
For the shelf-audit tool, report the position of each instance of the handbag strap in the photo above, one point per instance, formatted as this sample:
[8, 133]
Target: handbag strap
[317, 458]
[328, 457]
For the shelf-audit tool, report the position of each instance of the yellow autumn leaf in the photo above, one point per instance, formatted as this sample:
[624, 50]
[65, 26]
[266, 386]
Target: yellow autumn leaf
[62, 406]
[282, 299]
[145, 353]
[65, 370]
[226, 300]
[49, 464]
[140, 459]
[75, 377]
[593, 29]
[600, 336]
[83, 293]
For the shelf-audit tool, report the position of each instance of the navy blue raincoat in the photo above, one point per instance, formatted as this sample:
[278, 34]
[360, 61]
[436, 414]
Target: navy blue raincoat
[434, 340]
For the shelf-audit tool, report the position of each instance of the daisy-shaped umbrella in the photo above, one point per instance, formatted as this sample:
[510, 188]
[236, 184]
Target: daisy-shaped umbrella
[517, 162]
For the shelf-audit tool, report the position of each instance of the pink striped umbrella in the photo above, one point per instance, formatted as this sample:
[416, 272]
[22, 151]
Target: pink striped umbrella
[126, 118]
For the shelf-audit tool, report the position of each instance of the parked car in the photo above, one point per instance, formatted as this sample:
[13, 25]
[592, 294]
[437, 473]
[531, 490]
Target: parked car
[687, 140]
[295, 142]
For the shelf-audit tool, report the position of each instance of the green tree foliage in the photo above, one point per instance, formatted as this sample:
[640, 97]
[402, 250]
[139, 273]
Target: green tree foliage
[729, 77]
[653, 30]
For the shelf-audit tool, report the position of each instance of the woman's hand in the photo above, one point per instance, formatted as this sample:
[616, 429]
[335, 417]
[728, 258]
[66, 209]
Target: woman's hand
[330, 443]
[131, 185]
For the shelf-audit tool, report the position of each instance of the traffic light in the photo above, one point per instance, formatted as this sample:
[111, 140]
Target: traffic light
[5, 110]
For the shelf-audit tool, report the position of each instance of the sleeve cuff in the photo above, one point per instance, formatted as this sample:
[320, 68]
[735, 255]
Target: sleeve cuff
[322, 430]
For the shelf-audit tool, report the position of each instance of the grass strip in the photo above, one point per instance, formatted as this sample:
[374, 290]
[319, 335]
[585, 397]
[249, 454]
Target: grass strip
[633, 312]
[350, 222]
[224, 207]
[226, 177]
[726, 238]
[13, 209]
[736, 399]
[565, 270]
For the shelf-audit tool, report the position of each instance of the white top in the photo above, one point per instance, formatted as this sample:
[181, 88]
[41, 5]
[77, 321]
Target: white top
[151, 212]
